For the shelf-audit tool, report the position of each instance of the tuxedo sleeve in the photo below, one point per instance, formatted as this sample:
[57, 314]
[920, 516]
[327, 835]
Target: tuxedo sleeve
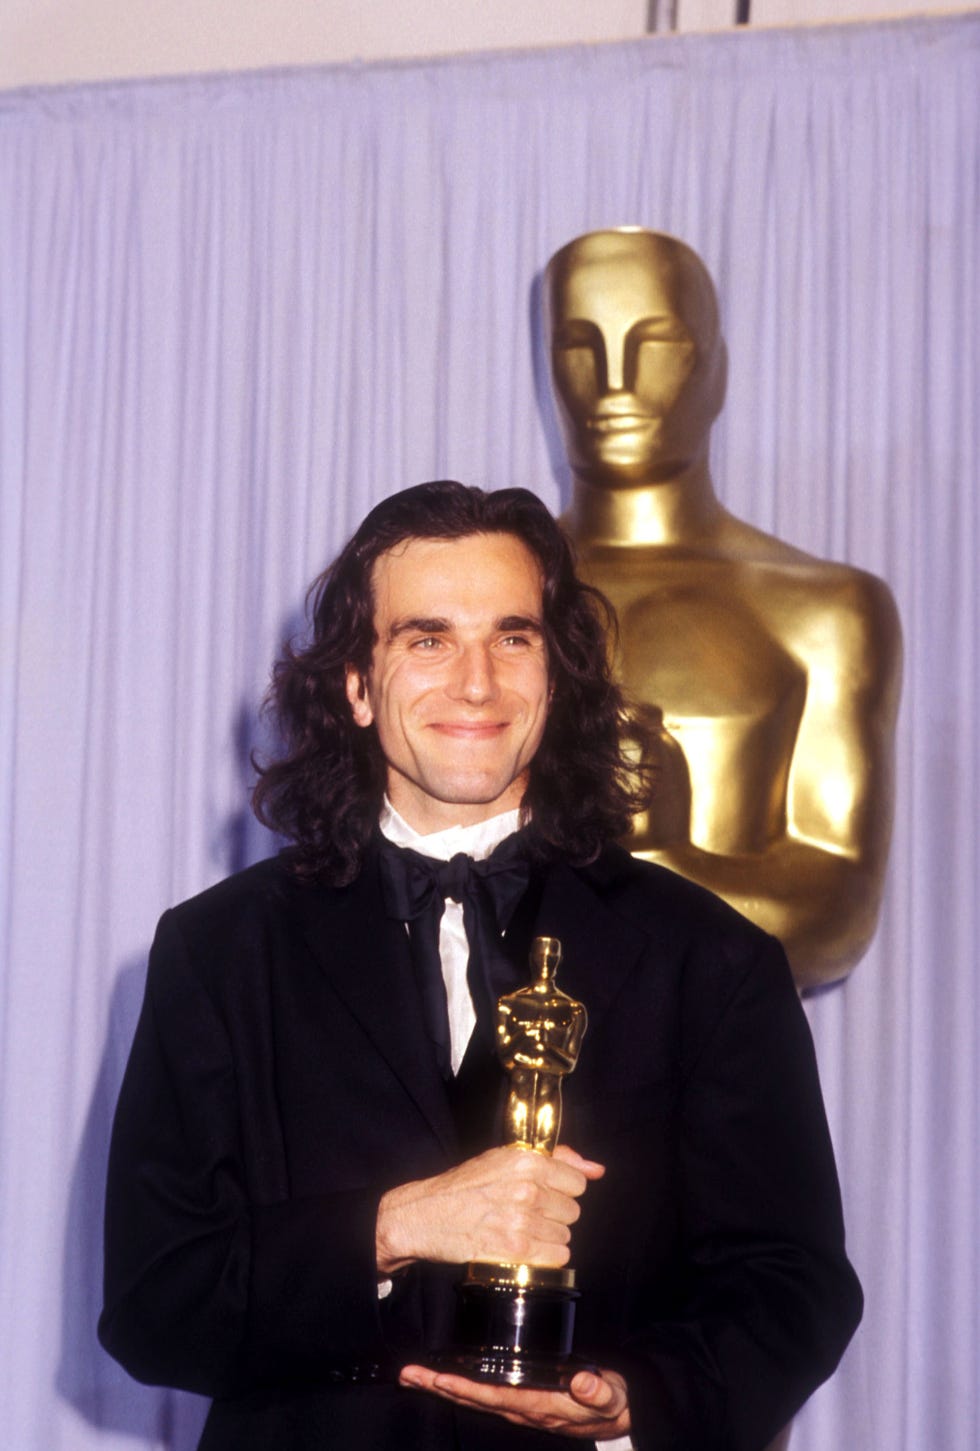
[206, 1287]
[767, 1300]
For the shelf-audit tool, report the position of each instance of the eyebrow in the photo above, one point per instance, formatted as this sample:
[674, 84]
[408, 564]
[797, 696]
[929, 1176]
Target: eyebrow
[418, 625]
[520, 623]
[421, 625]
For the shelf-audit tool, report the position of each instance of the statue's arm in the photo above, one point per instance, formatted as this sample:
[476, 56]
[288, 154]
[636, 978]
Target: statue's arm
[548, 1058]
[818, 886]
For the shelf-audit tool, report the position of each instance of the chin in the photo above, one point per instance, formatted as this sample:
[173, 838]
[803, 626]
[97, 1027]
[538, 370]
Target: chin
[477, 790]
[614, 471]
[472, 795]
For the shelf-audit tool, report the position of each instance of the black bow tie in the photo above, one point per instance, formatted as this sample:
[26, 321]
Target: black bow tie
[415, 888]
[414, 884]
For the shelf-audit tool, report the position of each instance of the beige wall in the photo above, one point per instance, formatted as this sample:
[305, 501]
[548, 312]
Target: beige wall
[49, 41]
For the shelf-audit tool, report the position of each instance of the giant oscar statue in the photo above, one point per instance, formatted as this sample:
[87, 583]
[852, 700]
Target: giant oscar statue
[769, 678]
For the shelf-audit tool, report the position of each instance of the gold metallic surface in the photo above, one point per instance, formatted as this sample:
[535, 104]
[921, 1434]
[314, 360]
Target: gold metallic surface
[539, 1037]
[520, 1276]
[768, 679]
[539, 1034]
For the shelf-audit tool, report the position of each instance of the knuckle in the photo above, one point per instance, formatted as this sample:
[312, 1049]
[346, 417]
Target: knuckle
[527, 1166]
[519, 1220]
[517, 1245]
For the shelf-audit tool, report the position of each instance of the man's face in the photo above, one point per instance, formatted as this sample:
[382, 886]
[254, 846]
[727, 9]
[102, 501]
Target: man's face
[458, 687]
[632, 355]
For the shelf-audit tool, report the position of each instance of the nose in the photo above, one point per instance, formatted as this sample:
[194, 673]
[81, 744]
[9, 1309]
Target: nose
[474, 678]
[615, 358]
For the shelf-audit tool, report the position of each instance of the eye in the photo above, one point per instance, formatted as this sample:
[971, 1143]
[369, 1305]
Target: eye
[661, 329]
[576, 333]
[427, 643]
[521, 641]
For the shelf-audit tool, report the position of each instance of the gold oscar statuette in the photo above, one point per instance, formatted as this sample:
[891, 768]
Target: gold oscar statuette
[515, 1323]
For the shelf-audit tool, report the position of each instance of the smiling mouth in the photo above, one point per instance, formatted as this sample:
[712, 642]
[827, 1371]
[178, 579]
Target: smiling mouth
[469, 730]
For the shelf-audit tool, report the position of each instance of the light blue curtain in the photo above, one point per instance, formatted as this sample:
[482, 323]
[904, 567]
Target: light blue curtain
[234, 312]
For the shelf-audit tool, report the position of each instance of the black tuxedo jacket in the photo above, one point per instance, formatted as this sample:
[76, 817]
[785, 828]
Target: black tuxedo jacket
[281, 1080]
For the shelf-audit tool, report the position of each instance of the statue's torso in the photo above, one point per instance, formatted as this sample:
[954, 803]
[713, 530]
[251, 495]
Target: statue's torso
[725, 648]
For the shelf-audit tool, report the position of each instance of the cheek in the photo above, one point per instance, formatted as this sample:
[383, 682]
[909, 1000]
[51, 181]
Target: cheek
[538, 694]
[576, 374]
[401, 693]
[663, 372]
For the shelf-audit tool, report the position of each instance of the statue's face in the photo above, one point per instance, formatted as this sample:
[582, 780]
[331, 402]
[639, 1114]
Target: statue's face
[637, 361]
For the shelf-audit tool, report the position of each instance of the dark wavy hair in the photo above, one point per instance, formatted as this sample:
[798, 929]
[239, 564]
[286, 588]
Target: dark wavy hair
[325, 791]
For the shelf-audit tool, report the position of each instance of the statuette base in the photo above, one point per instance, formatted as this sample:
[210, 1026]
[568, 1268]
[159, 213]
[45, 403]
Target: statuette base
[515, 1333]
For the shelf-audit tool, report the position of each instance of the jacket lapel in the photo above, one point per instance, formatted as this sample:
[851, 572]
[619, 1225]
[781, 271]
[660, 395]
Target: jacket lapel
[599, 948]
[364, 953]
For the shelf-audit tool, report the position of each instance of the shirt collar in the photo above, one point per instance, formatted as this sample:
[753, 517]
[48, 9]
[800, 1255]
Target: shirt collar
[476, 841]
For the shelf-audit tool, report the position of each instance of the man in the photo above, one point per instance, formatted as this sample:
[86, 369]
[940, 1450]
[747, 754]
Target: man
[303, 1150]
[769, 678]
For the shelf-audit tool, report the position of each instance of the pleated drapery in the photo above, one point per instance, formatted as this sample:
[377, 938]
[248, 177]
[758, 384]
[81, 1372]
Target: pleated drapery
[234, 313]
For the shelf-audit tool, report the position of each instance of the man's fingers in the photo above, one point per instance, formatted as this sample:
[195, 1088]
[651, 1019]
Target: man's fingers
[605, 1393]
[596, 1408]
[589, 1389]
[546, 1201]
[589, 1168]
[506, 1204]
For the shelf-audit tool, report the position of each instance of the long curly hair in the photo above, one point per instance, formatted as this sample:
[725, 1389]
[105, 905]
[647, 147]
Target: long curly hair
[324, 792]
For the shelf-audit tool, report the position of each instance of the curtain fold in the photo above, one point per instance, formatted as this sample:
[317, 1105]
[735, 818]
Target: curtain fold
[234, 313]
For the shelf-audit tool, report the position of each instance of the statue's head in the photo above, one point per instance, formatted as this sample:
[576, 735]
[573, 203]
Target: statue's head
[637, 357]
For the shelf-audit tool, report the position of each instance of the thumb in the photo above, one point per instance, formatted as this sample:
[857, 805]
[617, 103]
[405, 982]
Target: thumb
[589, 1167]
[605, 1392]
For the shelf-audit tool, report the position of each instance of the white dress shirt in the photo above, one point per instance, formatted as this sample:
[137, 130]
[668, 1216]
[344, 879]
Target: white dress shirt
[474, 841]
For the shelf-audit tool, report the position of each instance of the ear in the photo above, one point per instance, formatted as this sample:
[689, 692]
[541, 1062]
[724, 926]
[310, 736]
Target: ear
[357, 695]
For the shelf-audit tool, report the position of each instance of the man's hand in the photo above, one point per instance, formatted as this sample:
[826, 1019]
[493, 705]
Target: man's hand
[507, 1206]
[595, 1408]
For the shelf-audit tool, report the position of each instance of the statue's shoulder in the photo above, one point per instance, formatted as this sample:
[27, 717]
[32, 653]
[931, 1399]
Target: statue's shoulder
[645, 893]
[841, 599]
[838, 585]
[849, 606]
